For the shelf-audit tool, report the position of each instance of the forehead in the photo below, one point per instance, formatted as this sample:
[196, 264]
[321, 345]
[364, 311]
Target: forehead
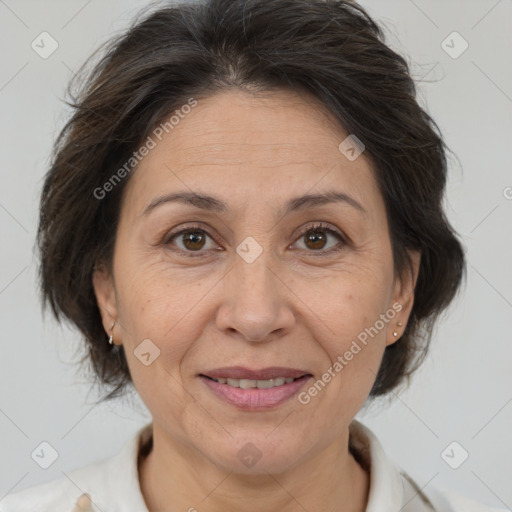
[238, 144]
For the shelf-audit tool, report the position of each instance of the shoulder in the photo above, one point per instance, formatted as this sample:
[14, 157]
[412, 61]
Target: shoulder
[391, 488]
[58, 495]
[110, 482]
[449, 501]
[435, 499]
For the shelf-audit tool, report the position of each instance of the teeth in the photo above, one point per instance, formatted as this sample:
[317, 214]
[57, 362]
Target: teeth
[260, 384]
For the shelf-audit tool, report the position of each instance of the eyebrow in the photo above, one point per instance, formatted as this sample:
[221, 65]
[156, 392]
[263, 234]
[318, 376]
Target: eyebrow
[209, 203]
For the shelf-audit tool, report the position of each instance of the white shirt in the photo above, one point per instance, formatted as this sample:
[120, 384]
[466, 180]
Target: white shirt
[113, 484]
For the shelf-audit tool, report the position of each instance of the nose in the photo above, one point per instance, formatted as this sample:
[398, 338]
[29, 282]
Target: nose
[256, 302]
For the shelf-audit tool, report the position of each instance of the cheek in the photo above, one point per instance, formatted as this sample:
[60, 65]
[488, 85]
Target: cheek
[154, 298]
[347, 303]
[355, 353]
[356, 310]
[151, 310]
[158, 332]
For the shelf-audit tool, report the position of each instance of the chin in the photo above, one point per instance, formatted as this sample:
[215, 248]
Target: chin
[255, 455]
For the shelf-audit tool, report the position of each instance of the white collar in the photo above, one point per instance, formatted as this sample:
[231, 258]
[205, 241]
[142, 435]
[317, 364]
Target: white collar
[385, 480]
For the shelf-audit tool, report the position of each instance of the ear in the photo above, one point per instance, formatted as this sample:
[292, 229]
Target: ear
[104, 289]
[403, 295]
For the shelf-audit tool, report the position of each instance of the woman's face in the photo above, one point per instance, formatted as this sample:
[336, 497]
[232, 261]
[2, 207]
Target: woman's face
[248, 286]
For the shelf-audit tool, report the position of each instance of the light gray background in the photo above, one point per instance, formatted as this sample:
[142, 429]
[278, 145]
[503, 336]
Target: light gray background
[462, 393]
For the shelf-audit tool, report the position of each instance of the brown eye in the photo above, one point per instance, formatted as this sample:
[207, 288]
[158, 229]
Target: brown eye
[193, 240]
[190, 240]
[316, 239]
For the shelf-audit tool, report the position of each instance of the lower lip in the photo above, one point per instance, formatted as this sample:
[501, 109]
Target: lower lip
[255, 399]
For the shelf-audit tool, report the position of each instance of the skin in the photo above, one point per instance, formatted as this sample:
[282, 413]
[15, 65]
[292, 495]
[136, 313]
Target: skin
[290, 307]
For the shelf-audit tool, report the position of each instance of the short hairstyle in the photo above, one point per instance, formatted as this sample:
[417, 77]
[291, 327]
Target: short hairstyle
[330, 49]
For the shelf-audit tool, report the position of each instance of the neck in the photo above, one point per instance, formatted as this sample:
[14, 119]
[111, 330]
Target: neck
[175, 474]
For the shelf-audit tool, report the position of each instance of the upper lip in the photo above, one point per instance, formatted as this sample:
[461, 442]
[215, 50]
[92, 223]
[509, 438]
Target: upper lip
[239, 372]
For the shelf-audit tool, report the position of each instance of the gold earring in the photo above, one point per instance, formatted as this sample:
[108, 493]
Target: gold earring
[111, 339]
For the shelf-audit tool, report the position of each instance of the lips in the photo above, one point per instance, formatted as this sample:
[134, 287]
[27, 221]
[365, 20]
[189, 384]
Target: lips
[255, 390]
[239, 372]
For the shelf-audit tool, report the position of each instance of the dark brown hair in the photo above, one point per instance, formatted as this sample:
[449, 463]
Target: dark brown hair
[330, 49]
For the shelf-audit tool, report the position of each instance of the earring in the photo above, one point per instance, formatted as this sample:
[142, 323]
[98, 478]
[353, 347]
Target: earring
[111, 339]
[399, 325]
[395, 333]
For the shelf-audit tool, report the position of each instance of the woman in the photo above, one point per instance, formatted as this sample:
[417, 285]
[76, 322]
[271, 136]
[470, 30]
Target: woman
[243, 217]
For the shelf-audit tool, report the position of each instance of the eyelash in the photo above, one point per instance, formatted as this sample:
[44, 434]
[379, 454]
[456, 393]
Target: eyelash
[320, 226]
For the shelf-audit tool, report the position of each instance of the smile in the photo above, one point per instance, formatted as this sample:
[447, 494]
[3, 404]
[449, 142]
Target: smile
[250, 383]
[254, 394]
